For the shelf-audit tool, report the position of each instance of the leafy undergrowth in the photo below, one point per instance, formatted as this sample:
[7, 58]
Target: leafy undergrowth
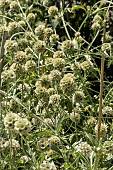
[50, 85]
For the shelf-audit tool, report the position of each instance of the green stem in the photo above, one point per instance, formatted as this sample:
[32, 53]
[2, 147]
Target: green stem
[96, 163]
[62, 17]
[87, 16]
[93, 39]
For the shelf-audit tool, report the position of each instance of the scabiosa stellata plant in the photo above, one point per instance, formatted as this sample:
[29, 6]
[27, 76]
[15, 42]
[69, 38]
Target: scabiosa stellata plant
[20, 57]
[67, 83]
[58, 54]
[48, 32]
[58, 63]
[9, 120]
[31, 17]
[22, 126]
[55, 76]
[67, 46]
[30, 65]
[54, 99]
[11, 45]
[14, 6]
[53, 10]
[39, 46]
[54, 38]
[39, 31]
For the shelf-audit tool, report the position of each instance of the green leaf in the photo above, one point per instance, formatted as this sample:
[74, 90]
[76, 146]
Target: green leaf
[77, 7]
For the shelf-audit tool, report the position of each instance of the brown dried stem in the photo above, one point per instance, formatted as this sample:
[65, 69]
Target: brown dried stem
[2, 53]
[101, 85]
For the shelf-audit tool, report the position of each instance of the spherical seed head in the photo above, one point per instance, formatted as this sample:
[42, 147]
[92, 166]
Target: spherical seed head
[21, 23]
[30, 65]
[58, 54]
[49, 63]
[48, 122]
[13, 5]
[4, 4]
[42, 143]
[12, 143]
[39, 31]
[24, 159]
[97, 18]
[107, 110]
[53, 10]
[31, 17]
[106, 47]
[8, 75]
[39, 46]
[54, 99]
[45, 81]
[74, 116]
[46, 2]
[55, 75]
[51, 91]
[91, 121]
[48, 32]
[12, 27]
[10, 45]
[20, 57]
[9, 120]
[67, 84]
[54, 38]
[41, 92]
[67, 46]
[78, 96]
[54, 140]
[58, 63]
[23, 126]
[85, 147]
[47, 166]
[86, 65]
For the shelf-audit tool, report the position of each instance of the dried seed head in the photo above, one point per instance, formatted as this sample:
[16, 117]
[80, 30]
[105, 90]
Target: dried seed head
[54, 99]
[54, 38]
[58, 54]
[58, 63]
[48, 32]
[10, 120]
[67, 84]
[11, 45]
[30, 65]
[39, 46]
[67, 46]
[39, 31]
[53, 10]
[22, 126]
[31, 17]
[20, 57]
